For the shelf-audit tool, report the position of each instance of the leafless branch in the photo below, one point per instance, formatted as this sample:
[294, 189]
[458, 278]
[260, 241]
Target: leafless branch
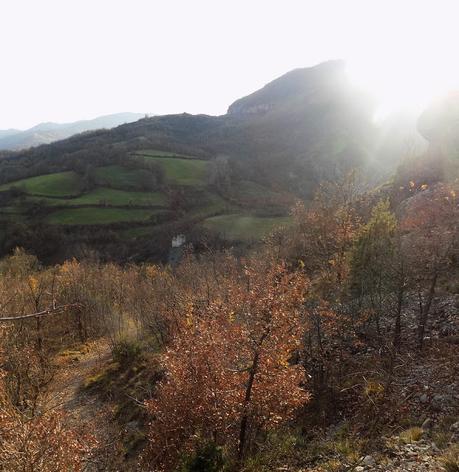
[49, 311]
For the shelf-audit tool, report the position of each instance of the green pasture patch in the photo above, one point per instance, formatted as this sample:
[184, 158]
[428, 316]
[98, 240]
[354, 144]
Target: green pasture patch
[239, 227]
[111, 197]
[123, 178]
[98, 216]
[61, 184]
[182, 171]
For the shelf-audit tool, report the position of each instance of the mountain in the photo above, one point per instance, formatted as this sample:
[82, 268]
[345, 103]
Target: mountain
[306, 86]
[8, 132]
[45, 133]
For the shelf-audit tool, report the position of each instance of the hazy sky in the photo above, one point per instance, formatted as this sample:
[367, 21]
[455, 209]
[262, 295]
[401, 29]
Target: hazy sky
[64, 60]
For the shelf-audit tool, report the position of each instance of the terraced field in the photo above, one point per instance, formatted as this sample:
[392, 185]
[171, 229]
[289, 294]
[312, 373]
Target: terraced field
[179, 171]
[62, 184]
[239, 227]
[121, 177]
[122, 201]
[108, 197]
[119, 197]
[98, 216]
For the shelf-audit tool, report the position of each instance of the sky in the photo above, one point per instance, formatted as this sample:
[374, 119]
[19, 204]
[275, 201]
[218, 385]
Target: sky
[64, 60]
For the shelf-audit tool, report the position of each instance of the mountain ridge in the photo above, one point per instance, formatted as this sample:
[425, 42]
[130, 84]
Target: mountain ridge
[292, 85]
[48, 132]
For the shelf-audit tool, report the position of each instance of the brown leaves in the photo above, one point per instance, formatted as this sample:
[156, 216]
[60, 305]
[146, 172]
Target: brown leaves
[243, 337]
[41, 442]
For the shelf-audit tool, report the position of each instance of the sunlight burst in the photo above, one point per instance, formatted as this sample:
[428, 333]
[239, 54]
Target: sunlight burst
[404, 84]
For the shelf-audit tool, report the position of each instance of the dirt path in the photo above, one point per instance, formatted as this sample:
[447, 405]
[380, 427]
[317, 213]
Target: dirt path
[84, 411]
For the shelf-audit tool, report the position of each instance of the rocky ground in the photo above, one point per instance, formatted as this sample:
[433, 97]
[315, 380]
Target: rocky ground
[425, 389]
[418, 456]
[428, 385]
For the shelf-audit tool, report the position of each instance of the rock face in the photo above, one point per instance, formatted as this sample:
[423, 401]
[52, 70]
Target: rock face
[299, 84]
[252, 109]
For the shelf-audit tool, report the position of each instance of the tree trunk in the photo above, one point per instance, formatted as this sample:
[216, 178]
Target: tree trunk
[245, 417]
[425, 312]
[398, 318]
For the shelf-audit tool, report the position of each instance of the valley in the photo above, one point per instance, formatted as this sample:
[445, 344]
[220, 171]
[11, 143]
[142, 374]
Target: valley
[134, 205]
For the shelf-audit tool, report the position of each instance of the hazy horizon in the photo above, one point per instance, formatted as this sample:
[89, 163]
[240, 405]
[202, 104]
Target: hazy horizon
[79, 60]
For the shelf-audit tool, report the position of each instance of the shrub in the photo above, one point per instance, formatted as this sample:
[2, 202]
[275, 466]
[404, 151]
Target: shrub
[278, 448]
[441, 438]
[208, 458]
[126, 351]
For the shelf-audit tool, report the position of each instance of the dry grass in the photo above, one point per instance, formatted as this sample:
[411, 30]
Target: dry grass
[411, 435]
[450, 459]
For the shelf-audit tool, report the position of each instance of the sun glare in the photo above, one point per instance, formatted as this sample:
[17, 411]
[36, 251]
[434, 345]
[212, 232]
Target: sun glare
[404, 84]
[404, 53]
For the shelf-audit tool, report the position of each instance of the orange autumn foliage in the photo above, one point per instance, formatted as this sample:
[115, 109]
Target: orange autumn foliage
[39, 443]
[228, 370]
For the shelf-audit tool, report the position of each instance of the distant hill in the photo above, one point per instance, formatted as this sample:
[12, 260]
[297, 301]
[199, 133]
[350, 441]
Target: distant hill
[45, 133]
[8, 132]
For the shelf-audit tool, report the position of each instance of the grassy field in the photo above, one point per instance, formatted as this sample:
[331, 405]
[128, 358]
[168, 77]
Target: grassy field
[98, 216]
[108, 196]
[117, 189]
[62, 184]
[183, 171]
[238, 227]
[214, 204]
[120, 177]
